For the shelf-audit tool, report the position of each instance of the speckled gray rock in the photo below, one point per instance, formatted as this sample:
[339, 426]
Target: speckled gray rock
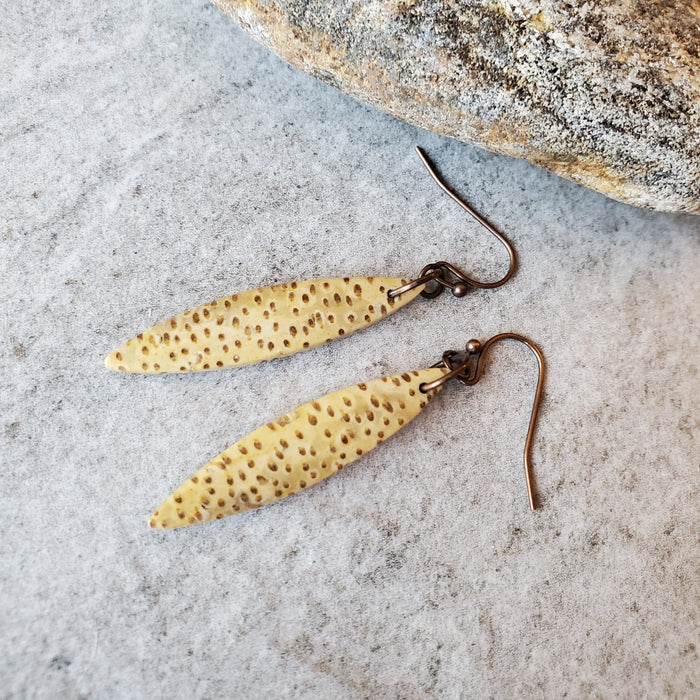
[605, 94]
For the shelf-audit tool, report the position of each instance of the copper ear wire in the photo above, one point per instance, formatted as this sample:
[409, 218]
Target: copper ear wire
[469, 372]
[442, 272]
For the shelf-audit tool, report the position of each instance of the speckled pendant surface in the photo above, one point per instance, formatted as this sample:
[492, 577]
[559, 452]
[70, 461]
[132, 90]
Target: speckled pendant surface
[260, 324]
[297, 450]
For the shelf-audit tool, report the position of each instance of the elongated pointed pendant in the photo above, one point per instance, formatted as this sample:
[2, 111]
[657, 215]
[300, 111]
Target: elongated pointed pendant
[260, 324]
[297, 450]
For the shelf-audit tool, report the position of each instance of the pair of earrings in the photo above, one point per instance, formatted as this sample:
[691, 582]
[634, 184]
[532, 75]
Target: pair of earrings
[317, 439]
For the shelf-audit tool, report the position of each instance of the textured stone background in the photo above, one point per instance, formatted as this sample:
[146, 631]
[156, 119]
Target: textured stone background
[154, 157]
[605, 94]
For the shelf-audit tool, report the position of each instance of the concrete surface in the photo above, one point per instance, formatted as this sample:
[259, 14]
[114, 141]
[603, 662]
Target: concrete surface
[154, 157]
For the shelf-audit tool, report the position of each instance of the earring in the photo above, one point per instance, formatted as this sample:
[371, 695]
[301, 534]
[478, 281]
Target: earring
[321, 437]
[283, 319]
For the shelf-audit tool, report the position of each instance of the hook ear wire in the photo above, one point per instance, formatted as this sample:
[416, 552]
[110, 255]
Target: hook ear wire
[512, 263]
[535, 405]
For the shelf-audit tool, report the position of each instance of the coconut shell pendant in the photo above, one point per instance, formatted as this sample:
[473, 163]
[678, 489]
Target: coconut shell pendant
[261, 324]
[297, 450]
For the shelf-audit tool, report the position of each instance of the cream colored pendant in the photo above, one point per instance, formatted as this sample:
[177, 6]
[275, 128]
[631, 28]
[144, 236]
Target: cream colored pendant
[297, 450]
[261, 324]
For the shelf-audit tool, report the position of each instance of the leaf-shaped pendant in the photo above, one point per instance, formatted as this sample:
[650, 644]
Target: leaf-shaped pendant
[261, 324]
[297, 450]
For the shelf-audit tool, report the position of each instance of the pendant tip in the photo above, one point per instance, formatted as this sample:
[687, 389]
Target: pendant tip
[157, 522]
[165, 517]
[172, 514]
[113, 363]
[123, 359]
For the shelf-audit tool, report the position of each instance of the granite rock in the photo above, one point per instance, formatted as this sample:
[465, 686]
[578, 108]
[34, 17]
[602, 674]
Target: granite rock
[606, 95]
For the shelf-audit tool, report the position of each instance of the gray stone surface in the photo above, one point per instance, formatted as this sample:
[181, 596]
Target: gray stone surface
[153, 157]
[603, 93]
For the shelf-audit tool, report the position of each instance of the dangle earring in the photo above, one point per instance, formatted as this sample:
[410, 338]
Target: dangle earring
[283, 319]
[319, 438]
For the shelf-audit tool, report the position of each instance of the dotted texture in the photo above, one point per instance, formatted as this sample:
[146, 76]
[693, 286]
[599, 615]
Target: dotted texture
[260, 324]
[297, 450]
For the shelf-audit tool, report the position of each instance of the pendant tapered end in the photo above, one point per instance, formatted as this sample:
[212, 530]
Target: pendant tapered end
[138, 356]
[168, 516]
[115, 361]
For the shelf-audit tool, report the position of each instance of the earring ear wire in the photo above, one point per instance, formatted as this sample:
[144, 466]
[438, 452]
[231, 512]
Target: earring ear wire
[445, 274]
[469, 371]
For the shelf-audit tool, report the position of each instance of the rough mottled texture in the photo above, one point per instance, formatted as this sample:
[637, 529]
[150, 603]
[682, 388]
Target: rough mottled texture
[297, 450]
[154, 156]
[605, 94]
[260, 324]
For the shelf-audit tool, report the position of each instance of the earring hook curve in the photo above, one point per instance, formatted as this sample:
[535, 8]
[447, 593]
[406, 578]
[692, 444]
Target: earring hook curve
[461, 372]
[512, 260]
